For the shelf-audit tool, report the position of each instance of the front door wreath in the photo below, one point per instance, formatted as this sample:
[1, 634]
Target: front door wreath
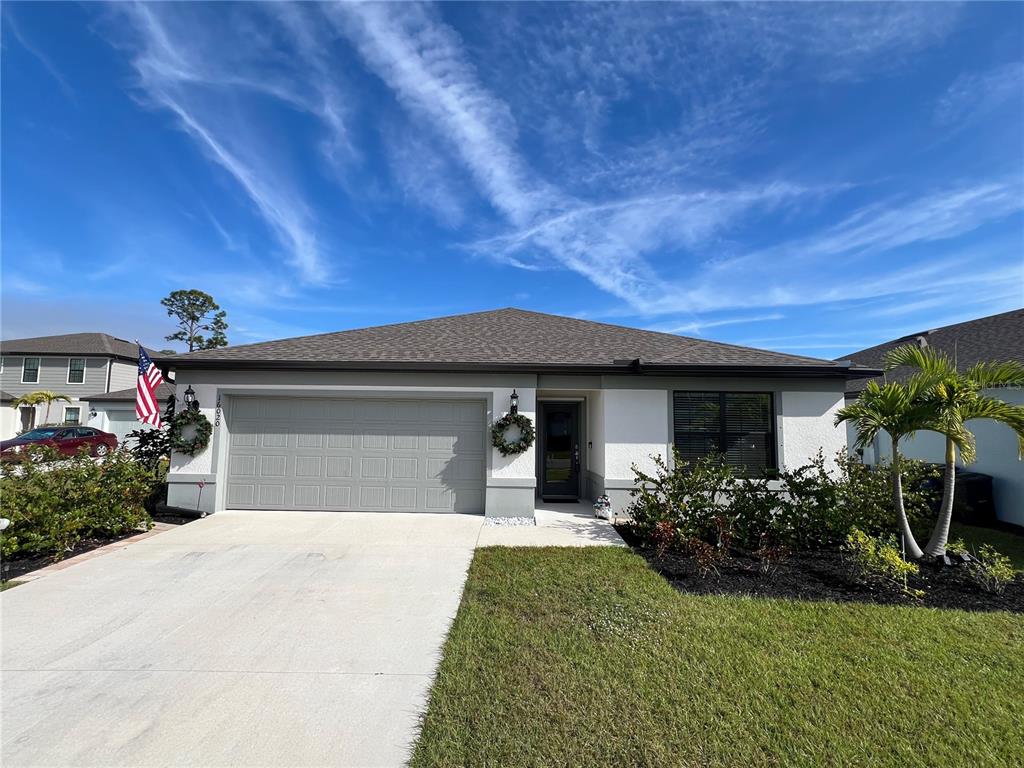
[199, 440]
[512, 447]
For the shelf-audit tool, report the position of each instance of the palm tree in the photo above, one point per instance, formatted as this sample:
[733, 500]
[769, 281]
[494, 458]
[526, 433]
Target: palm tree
[899, 409]
[959, 398]
[39, 398]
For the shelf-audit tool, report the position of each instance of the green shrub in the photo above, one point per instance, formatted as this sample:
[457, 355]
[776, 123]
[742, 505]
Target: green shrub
[54, 502]
[810, 507]
[686, 496]
[991, 570]
[878, 560]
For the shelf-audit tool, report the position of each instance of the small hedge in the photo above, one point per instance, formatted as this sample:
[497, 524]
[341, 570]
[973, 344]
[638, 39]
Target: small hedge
[55, 502]
[811, 507]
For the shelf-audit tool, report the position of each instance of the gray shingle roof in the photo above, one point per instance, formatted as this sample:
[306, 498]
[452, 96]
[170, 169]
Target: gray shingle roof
[498, 339]
[988, 339]
[95, 344]
[128, 395]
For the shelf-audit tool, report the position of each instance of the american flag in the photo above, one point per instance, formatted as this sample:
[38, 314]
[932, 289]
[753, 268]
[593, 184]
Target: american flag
[147, 407]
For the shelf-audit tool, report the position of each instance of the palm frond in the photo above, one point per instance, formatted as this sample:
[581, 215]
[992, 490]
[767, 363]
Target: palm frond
[930, 362]
[989, 375]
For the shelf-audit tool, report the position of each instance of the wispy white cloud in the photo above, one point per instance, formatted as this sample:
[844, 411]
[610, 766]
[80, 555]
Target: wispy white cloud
[699, 326]
[893, 223]
[177, 72]
[422, 61]
[973, 96]
[12, 24]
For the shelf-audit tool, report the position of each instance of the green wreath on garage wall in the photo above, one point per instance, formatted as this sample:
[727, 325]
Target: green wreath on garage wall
[198, 442]
[512, 447]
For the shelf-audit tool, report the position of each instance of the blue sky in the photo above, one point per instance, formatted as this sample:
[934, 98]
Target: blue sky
[809, 178]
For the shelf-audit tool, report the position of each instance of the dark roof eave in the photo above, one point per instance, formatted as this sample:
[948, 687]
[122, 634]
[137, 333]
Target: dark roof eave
[654, 369]
[112, 355]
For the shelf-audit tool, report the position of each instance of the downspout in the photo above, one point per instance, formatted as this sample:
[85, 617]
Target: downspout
[110, 366]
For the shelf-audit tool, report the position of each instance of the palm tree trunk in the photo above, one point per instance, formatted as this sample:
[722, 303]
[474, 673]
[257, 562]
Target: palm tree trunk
[48, 404]
[937, 543]
[909, 542]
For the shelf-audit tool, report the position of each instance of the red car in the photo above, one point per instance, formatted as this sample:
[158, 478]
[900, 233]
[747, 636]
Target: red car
[68, 440]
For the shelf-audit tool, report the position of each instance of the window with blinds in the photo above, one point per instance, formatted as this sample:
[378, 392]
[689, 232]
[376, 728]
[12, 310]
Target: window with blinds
[739, 426]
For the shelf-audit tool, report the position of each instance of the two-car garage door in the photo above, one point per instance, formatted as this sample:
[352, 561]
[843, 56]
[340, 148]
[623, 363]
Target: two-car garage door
[364, 454]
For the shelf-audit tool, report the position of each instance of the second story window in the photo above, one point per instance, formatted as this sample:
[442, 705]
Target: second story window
[76, 370]
[30, 370]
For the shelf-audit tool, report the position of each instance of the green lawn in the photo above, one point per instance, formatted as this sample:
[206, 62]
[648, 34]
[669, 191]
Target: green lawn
[586, 657]
[8, 584]
[1010, 544]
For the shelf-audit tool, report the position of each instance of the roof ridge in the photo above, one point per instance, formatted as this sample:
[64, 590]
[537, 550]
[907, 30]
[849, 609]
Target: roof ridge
[675, 336]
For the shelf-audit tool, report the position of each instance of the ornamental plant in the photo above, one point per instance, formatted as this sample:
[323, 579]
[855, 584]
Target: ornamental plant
[958, 398]
[54, 502]
[877, 560]
[991, 570]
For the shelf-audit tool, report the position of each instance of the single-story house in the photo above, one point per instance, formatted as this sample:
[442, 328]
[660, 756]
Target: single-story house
[995, 338]
[115, 411]
[76, 365]
[399, 417]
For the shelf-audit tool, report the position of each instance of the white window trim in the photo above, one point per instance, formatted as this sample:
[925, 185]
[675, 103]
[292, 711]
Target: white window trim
[85, 366]
[39, 364]
[78, 420]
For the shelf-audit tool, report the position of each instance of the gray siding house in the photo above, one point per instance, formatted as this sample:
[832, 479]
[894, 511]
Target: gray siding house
[76, 365]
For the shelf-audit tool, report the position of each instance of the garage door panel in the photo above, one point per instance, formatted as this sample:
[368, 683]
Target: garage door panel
[372, 497]
[245, 434]
[403, 499]
[307, 496]
[340, 440]
[373, 468]
[273, 466]
[308, 466]
[339, 466]
[338, 497]
[405, 442]
[403, 468]
[309, 440]
[271, 496]
[356, 454]
[241, 496]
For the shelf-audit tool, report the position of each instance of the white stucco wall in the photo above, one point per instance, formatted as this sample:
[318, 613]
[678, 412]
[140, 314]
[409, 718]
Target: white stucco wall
[806, 421]
[636, 427]
[997, 456]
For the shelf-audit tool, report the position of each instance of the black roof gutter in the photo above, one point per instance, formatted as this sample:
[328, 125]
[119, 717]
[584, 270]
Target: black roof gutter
[634, 367]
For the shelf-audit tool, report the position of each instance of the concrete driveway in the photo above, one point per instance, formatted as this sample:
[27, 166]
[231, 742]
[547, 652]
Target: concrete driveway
[247, 638]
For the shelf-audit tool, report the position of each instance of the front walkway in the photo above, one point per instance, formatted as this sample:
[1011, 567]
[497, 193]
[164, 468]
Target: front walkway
[563, 524]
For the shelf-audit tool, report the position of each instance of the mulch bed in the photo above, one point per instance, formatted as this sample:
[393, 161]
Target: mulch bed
[824, 575]
[18, 566]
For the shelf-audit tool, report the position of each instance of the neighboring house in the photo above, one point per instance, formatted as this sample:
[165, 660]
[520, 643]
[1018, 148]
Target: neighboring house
[995, 338]
[74, 364]
[9, 417]
[115, 411]
[398, 417]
